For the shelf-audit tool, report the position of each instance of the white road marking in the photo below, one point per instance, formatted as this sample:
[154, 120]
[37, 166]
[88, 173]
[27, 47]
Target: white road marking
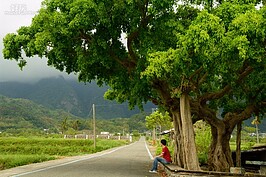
[149, 152]
[74, 161]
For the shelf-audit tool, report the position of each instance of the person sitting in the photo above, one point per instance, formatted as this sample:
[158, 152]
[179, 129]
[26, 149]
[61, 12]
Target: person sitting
[164, 157]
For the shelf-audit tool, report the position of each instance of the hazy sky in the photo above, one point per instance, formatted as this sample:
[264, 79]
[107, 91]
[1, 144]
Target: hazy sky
[13, 14]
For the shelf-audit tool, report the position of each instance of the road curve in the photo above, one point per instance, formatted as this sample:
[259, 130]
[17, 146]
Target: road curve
[133, 160]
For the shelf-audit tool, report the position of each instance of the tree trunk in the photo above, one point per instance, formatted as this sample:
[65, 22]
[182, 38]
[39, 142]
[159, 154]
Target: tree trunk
[190, 154]
[238, 144]
[154, 136]
[220, 158]
[178, 157]
[257, 133]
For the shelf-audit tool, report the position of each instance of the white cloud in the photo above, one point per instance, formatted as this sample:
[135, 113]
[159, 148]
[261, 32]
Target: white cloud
[14, 14]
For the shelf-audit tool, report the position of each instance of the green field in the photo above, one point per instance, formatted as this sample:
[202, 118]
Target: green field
[21, 151]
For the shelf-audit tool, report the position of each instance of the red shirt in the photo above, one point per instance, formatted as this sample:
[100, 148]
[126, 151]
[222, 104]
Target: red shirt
[166, 154]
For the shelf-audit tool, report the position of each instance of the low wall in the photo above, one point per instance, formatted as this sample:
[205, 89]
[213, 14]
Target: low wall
[84, 136]
[175, 171]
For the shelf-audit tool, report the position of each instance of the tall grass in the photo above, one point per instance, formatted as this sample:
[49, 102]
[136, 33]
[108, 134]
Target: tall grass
[21, 151]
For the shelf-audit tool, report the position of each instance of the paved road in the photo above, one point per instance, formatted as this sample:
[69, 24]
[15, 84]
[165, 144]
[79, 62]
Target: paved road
[133, 160]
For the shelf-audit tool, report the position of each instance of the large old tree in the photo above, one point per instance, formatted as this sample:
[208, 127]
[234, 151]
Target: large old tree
[189, 61]
[219, 62]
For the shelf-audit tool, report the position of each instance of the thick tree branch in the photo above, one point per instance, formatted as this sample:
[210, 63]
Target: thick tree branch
[202, 79]
[85, 36]
[130, 40]
[198, 71]
[135, 34]
[210, 116]
[234, 118]
[163, 89]
[227, 88]
[195, 83]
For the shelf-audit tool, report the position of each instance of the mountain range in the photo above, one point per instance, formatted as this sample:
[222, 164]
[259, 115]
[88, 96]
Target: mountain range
[71, 96]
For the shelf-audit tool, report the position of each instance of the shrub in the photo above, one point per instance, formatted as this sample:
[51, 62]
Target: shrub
[203, 140]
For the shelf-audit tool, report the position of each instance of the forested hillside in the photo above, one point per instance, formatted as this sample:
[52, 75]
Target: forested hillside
[69, 95]
[18, 115]
[21, 113]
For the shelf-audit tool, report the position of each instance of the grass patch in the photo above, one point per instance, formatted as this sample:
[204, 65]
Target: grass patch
[21, 151]
[10, 161]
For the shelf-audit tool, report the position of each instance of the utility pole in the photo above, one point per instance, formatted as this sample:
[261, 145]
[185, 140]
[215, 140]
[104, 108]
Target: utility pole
[94, 126]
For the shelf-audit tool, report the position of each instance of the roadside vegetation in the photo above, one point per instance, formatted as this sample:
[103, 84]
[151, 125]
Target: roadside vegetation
[203, 140]
[17, 151]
